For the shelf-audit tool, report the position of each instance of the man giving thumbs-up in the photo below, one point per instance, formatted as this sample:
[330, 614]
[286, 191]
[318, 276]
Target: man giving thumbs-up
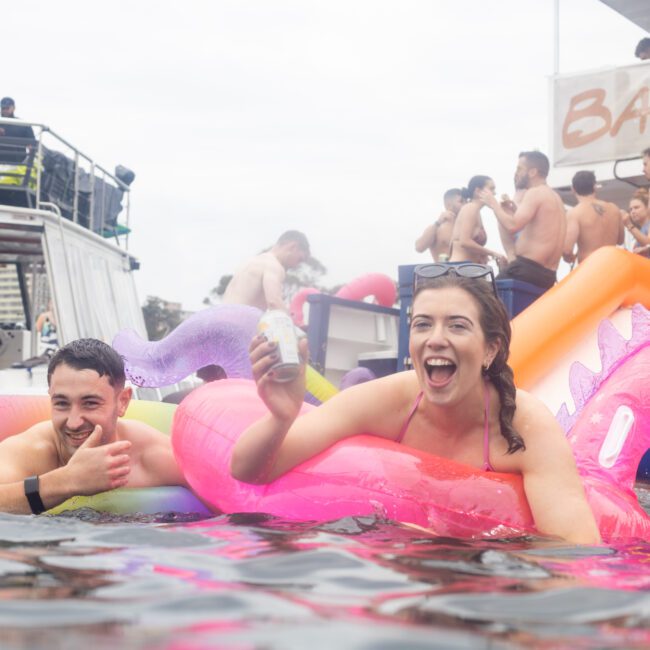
[84, 449]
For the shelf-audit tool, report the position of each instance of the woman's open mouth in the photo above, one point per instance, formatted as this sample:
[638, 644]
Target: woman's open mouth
[439, 371]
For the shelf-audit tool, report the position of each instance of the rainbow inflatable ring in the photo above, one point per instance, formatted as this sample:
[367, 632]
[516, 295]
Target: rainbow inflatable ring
[19, 412]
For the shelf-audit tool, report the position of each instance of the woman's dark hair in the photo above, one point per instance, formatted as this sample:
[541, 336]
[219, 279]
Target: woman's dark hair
[496, 329]
[90, 354]
[475, 183]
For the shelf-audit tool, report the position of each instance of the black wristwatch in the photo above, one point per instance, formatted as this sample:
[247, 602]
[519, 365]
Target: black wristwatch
[33, 495]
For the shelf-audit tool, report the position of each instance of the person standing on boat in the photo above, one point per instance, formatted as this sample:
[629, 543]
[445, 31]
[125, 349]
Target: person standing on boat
[85, 448]
[12, 153]
[592, 223]
[437, 236]
[637, 222]
[469, 236]
[259, 283]
[539, 222]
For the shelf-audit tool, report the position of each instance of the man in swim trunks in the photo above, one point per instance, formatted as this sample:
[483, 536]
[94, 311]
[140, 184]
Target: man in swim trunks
[437, 236]
[260, 281]
[539, 222]
[84, 449]
[592, 223]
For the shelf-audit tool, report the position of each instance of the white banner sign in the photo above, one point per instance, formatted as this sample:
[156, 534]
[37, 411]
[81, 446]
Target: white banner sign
[601, 116]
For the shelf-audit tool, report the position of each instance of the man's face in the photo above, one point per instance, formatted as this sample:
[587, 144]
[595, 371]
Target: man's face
[646, 167]
[7, 110]
[81, 399]
[297, 256]
[521, 174]
[455, 203]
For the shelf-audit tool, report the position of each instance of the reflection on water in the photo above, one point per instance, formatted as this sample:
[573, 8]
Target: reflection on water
[250, 581]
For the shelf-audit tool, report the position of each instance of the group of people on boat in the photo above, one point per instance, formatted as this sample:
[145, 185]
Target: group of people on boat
[536, 231]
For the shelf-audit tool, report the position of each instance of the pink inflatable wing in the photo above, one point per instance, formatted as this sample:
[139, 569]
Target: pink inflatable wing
[219, 335]
[373, 284]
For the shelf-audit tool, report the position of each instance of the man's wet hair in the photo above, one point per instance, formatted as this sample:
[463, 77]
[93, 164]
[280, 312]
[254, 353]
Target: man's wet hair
[90, 354]
[537, 160]
[294, 236]
[584, 183]
[450, 194]
[642, 46]
[646, 152]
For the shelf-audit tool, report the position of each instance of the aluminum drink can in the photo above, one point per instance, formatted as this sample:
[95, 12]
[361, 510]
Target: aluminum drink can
[276, 325]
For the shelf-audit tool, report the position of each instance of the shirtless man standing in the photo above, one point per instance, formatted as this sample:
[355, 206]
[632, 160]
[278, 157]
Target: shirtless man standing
[259, 282]
[592, 223]
[539, 221]
[83, 449]
[437, 236]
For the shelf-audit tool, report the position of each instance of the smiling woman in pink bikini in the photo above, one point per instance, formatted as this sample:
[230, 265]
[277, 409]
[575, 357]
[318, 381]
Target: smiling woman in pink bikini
[459, 402]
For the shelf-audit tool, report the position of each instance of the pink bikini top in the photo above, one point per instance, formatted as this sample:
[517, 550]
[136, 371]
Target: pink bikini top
[487, 467]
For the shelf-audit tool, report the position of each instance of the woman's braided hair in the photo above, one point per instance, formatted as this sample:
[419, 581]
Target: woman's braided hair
[496, 328]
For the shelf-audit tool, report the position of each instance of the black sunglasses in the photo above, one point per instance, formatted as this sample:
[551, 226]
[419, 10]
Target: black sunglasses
[463, 270]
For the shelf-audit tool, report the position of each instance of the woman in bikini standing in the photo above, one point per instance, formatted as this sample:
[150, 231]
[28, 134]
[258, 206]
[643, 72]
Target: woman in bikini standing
[469, 236]
[459, 402]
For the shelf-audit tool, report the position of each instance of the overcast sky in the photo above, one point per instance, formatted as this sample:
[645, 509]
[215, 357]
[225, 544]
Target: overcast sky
[344, 119]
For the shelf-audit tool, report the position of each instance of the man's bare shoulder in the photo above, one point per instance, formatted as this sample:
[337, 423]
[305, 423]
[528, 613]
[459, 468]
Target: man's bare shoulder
[446, 216]
[139, 433]
[34, 449]
[41, 434]
[579, 211]
[612, 208]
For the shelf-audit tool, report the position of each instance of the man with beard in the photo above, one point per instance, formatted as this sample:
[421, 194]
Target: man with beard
[538, 222]
[84, 449]
[437, 236]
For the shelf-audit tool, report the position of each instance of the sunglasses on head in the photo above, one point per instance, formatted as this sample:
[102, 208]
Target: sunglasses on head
[464, 270]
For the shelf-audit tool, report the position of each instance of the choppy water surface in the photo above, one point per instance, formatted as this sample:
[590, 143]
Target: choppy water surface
[248, 581]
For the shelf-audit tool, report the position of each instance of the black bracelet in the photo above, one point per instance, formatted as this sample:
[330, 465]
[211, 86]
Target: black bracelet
[33, 495]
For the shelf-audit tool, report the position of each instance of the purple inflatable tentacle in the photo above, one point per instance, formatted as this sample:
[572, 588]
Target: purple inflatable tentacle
[219, 335]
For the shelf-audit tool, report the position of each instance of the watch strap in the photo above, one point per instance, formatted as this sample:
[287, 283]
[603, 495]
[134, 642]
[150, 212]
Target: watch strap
[33, 495]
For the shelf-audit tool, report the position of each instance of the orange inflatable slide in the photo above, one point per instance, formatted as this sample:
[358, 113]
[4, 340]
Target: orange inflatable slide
[556, 323]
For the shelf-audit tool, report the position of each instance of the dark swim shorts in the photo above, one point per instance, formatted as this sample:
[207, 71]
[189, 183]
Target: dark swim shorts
[528, 271]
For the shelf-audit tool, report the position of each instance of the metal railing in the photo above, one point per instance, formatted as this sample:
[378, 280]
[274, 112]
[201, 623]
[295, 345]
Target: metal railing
[84, 191]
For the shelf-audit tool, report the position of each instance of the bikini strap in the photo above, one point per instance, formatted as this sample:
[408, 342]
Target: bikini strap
[487, 467]
[414, 408]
